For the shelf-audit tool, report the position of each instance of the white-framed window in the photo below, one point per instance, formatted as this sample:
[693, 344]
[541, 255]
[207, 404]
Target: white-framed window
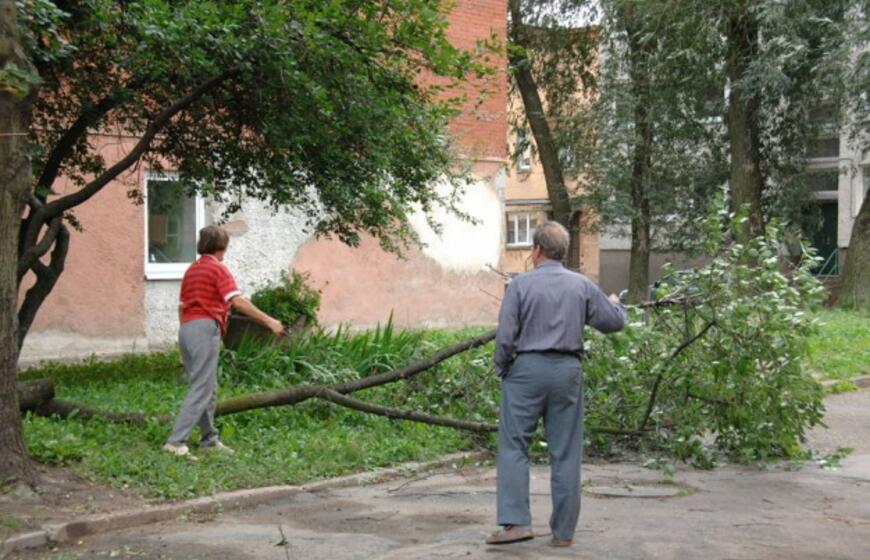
[524, 150]
[520, 229]
[172, 223]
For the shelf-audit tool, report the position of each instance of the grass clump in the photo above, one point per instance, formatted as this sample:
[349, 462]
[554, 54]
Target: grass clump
[839, 350]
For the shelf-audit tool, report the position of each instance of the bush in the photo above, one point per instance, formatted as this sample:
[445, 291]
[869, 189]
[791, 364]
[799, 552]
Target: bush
[289, 298]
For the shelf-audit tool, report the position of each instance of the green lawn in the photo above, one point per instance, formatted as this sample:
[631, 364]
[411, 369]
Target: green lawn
[841, 348]
[286, 445]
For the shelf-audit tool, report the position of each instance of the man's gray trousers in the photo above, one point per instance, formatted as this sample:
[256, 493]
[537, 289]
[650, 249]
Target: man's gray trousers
[199, 342]
[547, 385]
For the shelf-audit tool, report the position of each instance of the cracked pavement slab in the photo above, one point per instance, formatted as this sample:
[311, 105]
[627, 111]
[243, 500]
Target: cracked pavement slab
[629, 512]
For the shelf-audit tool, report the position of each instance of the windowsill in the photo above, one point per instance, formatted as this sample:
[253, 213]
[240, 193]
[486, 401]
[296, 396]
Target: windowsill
[166, 271]
[517, 246]
[826, 195]
[816, 162]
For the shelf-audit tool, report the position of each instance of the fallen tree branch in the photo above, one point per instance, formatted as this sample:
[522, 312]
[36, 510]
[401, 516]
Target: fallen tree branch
[652, 398]
[66, 409]
[296, 395]
[283, 397]
[339, 399]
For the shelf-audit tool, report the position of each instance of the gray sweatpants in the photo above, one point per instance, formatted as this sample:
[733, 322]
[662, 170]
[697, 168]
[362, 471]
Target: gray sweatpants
[199, 342]
[550, 386]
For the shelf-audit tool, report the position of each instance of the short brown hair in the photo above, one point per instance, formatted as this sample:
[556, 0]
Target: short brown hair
[211, 240]
[553, 239]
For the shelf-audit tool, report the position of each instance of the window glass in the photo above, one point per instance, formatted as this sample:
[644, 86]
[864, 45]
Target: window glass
[171, 223]
[825, 123]
[520, 229]
[823, 180]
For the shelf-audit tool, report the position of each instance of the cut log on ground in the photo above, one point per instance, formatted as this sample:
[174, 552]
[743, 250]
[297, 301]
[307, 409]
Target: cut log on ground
[31, 394]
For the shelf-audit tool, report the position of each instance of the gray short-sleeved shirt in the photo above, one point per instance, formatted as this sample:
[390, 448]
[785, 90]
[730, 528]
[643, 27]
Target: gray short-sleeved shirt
[546, 309]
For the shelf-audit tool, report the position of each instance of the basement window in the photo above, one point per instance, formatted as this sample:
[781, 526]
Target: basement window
[173, 219]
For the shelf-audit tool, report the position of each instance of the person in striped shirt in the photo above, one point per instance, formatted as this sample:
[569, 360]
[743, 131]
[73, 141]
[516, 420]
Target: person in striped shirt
[208, 292]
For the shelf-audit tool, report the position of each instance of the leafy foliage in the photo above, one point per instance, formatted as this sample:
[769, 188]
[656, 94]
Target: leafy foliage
[312, 104]
[288, 299]
[741, 385]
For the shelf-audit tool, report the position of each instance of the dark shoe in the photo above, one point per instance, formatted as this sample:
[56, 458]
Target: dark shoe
[561, 542]
[510, 534]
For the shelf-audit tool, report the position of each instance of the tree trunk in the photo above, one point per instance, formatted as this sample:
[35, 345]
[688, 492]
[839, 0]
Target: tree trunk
[856, 275]
[533, 106]
[747, 183]
[638, 268]
[15, 185]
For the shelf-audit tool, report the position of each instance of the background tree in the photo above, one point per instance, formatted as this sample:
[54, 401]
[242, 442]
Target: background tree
[777, 63]
[856, 105]
[312, 104]
[551, 63]
[656, 157]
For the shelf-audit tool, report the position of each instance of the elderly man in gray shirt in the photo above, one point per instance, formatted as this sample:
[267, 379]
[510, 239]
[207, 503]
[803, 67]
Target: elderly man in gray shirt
[539, 342]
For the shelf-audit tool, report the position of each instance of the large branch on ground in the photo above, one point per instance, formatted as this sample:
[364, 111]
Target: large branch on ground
[48, 406]
[283, 397]
[339, 399]
[298, 394]
[66, 409]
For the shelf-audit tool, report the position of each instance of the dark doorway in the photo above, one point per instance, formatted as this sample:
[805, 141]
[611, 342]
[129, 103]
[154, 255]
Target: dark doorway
[824, 239]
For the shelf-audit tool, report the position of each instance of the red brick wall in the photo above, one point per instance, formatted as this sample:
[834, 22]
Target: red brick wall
[482, 129]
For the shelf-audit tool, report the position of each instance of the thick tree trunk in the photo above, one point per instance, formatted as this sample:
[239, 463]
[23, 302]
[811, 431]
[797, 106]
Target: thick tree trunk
[747, 182]
[533, 105]
[638, 268]
[15, 185]
[856, 276]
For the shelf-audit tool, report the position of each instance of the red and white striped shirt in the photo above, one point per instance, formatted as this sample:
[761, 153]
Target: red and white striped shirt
[206, 291]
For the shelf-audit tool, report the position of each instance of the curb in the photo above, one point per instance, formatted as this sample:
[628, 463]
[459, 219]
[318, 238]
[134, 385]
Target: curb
[862, 382]
[238, 499]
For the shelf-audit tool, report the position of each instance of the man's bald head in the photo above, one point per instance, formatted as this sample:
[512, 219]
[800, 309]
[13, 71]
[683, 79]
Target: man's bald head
[552, 238]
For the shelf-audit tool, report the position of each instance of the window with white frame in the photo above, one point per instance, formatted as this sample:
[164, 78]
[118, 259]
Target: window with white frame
[520, 229]
[173, 219]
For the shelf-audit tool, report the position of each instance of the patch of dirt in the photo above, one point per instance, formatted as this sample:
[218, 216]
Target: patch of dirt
[60, 495]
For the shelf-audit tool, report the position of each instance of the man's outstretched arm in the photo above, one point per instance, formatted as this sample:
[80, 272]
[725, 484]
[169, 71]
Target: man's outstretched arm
[603, 313]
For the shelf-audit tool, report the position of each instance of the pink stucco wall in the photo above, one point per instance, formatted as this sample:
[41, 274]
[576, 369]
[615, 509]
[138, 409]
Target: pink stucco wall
[101, 291]
[363, 285]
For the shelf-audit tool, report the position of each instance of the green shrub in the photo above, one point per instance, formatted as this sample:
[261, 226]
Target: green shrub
[289, 298]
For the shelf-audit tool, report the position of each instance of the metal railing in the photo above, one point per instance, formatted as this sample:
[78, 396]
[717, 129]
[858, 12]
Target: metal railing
[831, 266]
